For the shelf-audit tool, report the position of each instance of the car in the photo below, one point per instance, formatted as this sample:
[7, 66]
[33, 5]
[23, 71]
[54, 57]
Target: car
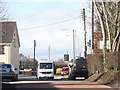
[64, 71]
[58, 71]
[7, 71]
[78, 69]
[45, 69]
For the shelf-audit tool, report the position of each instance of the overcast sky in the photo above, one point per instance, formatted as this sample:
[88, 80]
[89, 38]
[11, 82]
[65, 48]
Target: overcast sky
[42, 20]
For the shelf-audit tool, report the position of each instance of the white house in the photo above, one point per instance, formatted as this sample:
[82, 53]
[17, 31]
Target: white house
[9, 43]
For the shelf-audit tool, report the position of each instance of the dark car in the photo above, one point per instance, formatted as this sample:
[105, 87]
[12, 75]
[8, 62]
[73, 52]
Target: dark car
[7, 71]
[78, 69]
[64, 71]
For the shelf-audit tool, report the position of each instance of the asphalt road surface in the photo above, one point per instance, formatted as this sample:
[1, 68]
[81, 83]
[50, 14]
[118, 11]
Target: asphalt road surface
[59, 83]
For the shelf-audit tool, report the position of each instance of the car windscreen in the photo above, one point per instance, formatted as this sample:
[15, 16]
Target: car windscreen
[5, 66]
[45, 65]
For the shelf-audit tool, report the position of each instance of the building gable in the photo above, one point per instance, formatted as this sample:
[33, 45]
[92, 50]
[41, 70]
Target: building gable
[9, 30]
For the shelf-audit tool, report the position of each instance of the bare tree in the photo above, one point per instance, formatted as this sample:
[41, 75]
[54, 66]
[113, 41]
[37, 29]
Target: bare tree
[109, 19]
[102, 28]
[116, 41]
[3, 11]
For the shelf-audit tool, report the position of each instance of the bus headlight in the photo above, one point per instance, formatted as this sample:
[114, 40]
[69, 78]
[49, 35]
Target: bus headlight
[52, 73]
[40, 72]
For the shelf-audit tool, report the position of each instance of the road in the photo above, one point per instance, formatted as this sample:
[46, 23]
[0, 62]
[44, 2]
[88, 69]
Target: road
[59, 83]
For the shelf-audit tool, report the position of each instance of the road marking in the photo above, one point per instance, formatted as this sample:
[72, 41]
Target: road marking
[53, 82]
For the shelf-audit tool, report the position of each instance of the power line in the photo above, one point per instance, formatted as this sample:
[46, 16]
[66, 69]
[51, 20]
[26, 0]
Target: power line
[68, 8]
[61, 4]
[58, 41]
[48, 24]
[54, 43]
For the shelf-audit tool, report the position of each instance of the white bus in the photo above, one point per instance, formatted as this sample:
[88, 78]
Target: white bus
[45, 69]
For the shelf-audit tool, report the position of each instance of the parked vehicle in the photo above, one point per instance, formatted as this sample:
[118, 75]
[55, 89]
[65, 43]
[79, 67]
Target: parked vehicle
[45, 69]
[78, 69]
[58, 71]
[7, 71]
[64, 71]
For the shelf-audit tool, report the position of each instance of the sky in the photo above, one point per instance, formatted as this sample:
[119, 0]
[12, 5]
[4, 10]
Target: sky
[50, 23]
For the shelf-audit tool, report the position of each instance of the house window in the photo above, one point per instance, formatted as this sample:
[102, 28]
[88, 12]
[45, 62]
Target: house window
[2, 49]
[14, 42]
[14, 34]
[4, 32]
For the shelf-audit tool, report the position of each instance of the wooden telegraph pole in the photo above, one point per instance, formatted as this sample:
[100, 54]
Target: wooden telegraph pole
[92, 27]
[84, 19]
[34, 57]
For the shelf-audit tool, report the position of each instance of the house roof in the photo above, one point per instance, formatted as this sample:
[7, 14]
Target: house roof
[8, 28]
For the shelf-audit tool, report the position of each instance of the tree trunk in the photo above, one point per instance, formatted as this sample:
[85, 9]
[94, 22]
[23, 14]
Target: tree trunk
[118, 45]
[104, 35]
[107, 25]
[116, 42]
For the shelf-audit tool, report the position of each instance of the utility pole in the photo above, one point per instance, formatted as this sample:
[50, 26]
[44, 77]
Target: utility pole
[34, 55]
[49, 52]
[78, 51]
[92, 27]
[1, 32]
[84, 19]
[74, 44]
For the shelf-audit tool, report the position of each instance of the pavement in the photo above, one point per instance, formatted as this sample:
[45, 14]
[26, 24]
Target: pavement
[59, 82]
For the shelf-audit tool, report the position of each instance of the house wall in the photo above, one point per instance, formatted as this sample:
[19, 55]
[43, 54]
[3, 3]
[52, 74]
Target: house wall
[15, 52]
[98, 43]
[11, 56]
[11, 52]
[15, 57]
[6, 56]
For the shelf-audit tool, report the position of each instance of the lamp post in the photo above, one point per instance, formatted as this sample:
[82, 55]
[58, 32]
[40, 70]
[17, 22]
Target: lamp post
[49, 52]
[84, 20]
[77, 45]
[73, 42]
